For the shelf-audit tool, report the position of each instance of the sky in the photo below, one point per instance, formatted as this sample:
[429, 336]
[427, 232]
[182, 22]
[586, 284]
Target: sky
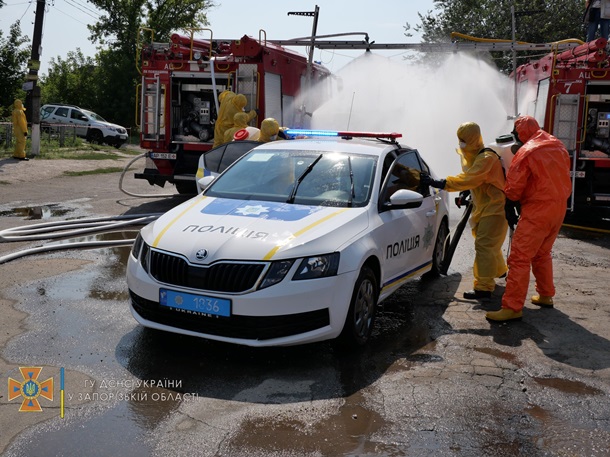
[381, 91]
[65, 24]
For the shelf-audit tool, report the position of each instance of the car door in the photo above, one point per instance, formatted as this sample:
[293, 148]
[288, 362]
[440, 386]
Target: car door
[80, 121]
[407, 234]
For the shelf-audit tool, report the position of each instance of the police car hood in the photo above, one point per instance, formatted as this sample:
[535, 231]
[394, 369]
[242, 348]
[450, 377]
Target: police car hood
[206, 229]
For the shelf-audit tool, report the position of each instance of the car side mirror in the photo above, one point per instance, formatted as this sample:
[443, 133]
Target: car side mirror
[205, 181]
[405, 199]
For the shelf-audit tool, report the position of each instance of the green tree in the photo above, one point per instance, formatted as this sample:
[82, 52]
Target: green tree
[537, 21]
[118, 30]
[14, 54]
[70, 81]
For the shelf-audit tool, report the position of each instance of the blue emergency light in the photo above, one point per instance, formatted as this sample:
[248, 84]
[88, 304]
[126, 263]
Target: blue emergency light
[343, 134]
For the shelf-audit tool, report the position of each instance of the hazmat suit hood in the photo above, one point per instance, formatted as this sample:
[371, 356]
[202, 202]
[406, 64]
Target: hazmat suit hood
[239, 101]
[18, 105]
[526, 127]
[240, 120]
[470, 133]
[225, 96]
[269, 129]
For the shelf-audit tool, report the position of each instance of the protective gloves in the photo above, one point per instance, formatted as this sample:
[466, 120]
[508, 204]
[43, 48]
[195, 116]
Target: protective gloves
[427, 180]
[462, 199]
[512, 210]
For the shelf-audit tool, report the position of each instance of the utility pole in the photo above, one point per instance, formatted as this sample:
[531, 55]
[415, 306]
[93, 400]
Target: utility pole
[310, 59]
[31, 86]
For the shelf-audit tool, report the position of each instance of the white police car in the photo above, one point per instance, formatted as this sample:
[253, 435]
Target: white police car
[296, 242]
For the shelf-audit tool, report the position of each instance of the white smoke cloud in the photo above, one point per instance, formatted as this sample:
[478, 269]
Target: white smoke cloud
[424, 103]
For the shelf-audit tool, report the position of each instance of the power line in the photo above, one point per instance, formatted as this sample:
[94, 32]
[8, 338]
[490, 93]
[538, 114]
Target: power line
[83, 8]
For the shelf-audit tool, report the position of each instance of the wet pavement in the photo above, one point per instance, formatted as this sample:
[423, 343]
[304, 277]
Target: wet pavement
[437, 378]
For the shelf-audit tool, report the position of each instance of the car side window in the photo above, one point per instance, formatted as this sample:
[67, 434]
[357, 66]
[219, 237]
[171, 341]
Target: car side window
[212, 159]
[404, 173]
[234, 151]
[62, 112]
[76, 114]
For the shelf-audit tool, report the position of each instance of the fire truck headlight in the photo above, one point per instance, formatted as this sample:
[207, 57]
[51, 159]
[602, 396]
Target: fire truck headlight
[197, 55]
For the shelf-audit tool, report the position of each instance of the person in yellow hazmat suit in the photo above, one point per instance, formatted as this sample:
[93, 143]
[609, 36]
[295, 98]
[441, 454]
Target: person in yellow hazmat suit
[229, 106]
[20, 130]
[240, 121]
[483, 175]
[269, 130]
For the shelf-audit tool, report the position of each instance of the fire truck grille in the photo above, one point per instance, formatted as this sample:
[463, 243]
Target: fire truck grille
[221, 277]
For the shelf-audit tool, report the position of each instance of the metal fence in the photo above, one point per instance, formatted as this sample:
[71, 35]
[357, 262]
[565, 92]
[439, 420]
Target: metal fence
[58, 135]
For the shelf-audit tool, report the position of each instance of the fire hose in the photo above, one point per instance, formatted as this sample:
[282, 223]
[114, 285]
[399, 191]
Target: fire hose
[455, 239]
[62, 229]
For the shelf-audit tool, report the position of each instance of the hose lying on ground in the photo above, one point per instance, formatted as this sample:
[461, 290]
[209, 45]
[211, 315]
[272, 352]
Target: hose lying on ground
[131, 194]
[62, 229]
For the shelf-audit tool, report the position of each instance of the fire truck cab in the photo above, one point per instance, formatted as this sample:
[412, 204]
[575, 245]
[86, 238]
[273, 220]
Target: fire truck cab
[178, 97]
[569, 95]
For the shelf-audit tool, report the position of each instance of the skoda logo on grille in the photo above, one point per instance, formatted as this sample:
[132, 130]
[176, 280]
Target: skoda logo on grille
[201, 254]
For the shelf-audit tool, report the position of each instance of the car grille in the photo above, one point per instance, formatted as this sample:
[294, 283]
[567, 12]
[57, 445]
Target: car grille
[220, 277]
[235, 326]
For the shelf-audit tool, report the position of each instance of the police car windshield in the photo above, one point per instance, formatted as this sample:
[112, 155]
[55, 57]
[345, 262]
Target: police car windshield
[319, 178]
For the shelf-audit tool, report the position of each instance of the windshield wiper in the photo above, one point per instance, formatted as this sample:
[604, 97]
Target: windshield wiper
[298, 182]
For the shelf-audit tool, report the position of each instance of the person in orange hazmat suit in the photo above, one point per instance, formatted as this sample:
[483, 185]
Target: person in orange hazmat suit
[482, 175]
[539, 179]
[20, 130]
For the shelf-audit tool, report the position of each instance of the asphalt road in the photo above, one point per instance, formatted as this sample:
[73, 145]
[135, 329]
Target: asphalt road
[437, 378]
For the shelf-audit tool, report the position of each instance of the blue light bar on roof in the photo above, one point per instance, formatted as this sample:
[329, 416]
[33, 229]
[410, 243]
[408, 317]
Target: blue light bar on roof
[344, 134]
[304, 132]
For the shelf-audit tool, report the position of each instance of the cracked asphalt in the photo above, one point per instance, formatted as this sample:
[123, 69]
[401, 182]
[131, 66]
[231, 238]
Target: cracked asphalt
[437, 378]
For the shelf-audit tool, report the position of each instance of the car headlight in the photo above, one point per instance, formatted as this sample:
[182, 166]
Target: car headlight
[276, 272]
[144, 256]
[319, 266]
[137, 245]
[112, 129]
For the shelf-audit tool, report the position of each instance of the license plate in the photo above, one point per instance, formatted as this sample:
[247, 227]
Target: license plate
[200, 304]
[163, 155]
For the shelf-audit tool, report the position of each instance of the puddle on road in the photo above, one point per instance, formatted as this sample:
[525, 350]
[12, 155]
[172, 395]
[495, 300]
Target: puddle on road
[120, 430]
[568, 386]
[37, 212]
[499, 354]
[354, 423]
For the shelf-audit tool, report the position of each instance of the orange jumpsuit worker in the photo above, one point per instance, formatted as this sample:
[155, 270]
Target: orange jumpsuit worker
[483, 175]
[229, 106]
[20, 130]
[539, 179]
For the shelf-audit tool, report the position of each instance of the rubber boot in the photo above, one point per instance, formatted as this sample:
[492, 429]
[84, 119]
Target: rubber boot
[504, 314]
[541, 300]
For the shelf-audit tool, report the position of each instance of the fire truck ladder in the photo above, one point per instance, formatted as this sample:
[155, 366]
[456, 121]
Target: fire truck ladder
[152, 115]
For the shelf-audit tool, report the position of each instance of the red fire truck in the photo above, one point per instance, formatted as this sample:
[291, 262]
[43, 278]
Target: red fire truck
[568, 92]
[178, 98]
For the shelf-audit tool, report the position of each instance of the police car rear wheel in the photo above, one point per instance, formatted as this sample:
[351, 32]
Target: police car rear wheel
[361, 315]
